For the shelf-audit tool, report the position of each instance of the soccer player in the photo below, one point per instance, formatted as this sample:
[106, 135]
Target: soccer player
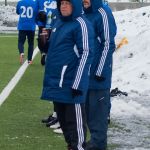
[27, 11]
[46, 17]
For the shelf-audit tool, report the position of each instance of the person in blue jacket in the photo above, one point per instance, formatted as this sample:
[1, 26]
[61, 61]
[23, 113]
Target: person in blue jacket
[27, 11]
[46, 18]
[98, 96]
[67, 70]
[47, 11]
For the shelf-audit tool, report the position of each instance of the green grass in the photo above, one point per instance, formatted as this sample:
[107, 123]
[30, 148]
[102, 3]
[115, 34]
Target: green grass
[21, 113]
[9, 58]
[8, 34]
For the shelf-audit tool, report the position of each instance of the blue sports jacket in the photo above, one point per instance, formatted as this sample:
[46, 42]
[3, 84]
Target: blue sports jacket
[27, 11]
[100, 15]
[49, 6]
[69, 57]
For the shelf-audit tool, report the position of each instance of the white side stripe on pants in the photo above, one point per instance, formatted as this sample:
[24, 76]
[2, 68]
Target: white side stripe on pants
[79, 126]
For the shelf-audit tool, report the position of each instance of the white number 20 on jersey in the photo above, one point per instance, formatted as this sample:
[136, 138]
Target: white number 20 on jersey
[27, 12]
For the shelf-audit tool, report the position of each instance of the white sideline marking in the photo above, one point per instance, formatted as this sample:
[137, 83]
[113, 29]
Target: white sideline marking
[12, 83]
[8, 36]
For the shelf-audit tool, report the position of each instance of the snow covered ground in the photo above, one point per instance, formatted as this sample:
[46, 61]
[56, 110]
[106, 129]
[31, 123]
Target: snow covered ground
[8, 18]
[9, 0]
[131, 73]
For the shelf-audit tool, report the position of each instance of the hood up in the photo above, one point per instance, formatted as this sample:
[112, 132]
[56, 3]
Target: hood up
[95, 5]
[77, 9]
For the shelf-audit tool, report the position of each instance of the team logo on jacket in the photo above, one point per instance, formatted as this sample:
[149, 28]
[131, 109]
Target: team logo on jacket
[50, 5]
[54, 30]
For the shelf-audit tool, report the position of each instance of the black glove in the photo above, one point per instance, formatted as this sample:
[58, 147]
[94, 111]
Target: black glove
[42, 16]
[116, 91]
[99, 78]
[76, 93]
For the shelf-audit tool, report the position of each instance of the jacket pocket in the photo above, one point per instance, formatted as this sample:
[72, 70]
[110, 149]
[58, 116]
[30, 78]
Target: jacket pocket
[62, 75]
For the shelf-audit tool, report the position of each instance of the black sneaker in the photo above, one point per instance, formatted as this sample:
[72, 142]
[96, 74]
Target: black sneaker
[52, 122]
[48, 119]
[69, 148]
[43, 57]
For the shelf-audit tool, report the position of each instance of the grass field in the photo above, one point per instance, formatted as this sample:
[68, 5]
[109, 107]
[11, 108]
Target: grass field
[21, 113]
[8, 59]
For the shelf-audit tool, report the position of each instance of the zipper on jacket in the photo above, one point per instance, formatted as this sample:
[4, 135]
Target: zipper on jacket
[62, 75]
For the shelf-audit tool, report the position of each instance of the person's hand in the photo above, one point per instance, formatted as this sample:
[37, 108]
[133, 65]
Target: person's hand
[43, 37]
[99, 78]
[76, 93]
[42, 16]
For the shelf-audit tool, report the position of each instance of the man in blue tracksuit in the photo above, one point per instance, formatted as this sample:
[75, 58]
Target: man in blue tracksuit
[98, 96]
[66, 71]
[27, 11]
[47, 9]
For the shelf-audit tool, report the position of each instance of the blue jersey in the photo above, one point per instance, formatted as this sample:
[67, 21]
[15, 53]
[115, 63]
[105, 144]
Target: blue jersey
[27, 11]
[49, 6]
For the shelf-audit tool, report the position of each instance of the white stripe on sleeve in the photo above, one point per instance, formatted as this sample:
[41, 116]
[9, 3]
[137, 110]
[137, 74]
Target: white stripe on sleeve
[85, 52]
[107, 38]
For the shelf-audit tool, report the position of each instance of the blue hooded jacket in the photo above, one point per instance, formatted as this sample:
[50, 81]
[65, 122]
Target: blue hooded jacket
[100, 15]
[27, 11]
[69, 57]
